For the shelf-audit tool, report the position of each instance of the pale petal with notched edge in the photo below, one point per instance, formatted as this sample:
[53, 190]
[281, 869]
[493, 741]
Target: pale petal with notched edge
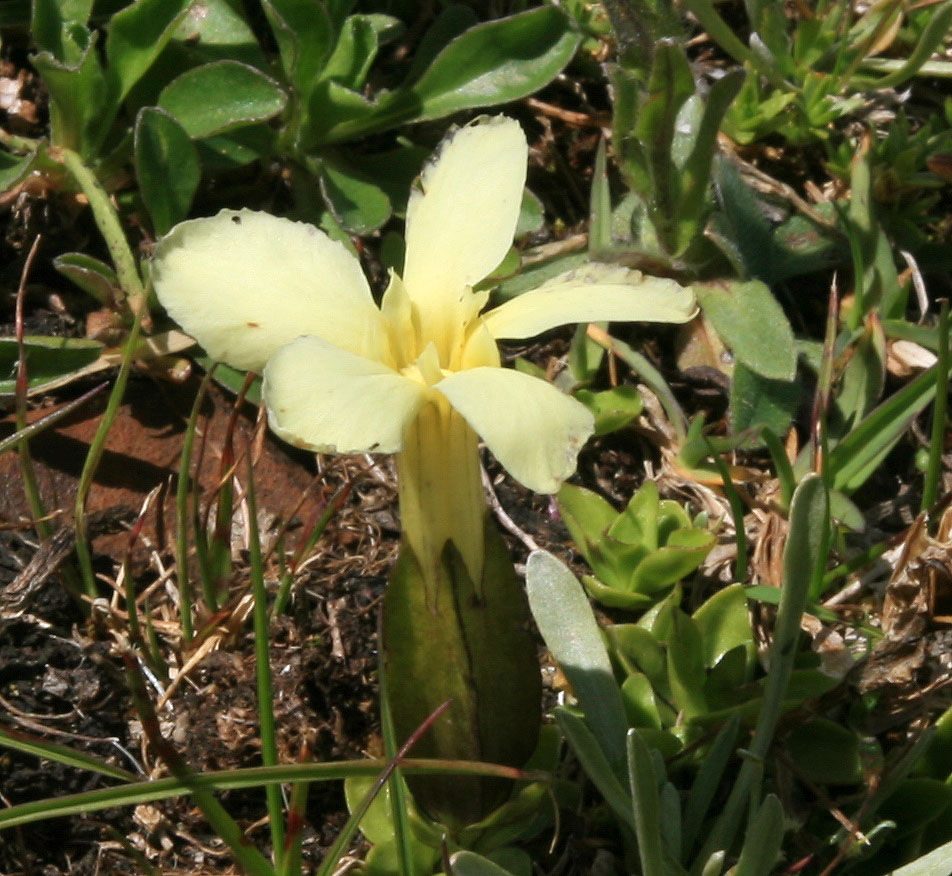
[244, 283]
[592, 293]
[461, 220]
[326, 399]
[534, 430]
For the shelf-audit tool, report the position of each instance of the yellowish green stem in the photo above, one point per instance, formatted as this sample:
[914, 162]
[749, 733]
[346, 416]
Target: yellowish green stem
[441, 492]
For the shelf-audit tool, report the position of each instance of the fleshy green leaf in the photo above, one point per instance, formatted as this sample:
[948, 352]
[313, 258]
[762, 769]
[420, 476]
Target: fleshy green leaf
[724, 623]
[586, 515]
[826, 752]
[304, 34]
[357, 204]
[167, 167]
[81, 106]
[94, 277]
[222, 95]
[495, 62]
[613, 408]
[136, 36]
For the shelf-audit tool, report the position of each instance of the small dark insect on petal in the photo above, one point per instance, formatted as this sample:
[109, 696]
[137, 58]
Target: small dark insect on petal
[253, 324]
[373, 446]
[236, 220]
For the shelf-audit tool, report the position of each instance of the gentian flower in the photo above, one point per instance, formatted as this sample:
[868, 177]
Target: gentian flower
[418, 376]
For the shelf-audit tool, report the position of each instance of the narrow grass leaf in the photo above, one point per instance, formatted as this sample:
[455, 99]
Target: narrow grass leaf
[860, 453]
[269, 746]
[61, 754]
[230, 780]
[930, 488]
[932, 35]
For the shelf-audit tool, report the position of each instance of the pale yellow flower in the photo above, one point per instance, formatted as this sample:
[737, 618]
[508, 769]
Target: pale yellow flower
[419, 375]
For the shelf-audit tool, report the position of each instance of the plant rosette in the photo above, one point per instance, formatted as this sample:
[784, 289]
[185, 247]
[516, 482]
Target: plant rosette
[420, 376]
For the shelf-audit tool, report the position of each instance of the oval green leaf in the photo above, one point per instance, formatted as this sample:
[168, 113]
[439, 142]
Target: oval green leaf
[494, 63]
[167, 167]
[222, 95]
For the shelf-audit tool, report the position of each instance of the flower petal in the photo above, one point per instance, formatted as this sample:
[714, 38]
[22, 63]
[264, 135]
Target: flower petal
[592, 293]
[534, 430]
[326, 399]
[244, 283]
[461, 222]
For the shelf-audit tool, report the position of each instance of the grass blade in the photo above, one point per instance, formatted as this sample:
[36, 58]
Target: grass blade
[269, 746]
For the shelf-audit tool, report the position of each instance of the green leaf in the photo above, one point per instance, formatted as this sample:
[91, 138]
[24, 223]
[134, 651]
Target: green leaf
[686, 666]
[932, 35]
[60, 754]
[758, 401]
[804, 556]
[826, 752]
[470, 864]
[685, 551]
[356, 47]
[915, 803]
[136, 36]
[938, 862]
[706, 783]
[443, 642]
[613, 597]
[724, 623]
[860, 453]
[863, 378]
[531, 215]
[167, 167]
[50, 18]
[752, 324]
[613, 408]
[13, 169]
[696, 172]
[46, 359]
[223, 780]
[641, 707]
[94, 277]
[216, 30]
[236, 148]
[305, 37]
[586, 515]
[222, 95]
[81, 105]
[643, 782]
[571, 633]
[638, 523]
[670, 85]
[357, 204]
[452, 21]
[593, 761]
[763, 840]
[492, 63]
[638, 650]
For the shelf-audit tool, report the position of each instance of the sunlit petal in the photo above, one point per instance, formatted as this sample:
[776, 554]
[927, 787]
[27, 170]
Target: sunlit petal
[244, 283]
[326, 399]
[534, 430]
[461, 221]
[592, 293]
